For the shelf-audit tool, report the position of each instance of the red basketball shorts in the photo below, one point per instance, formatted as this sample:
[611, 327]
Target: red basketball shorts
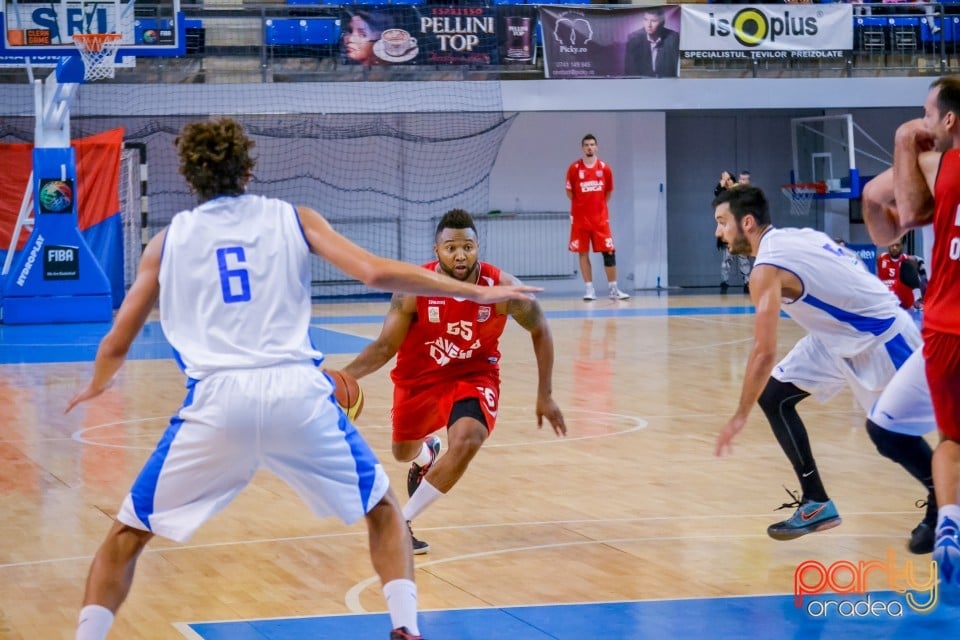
[942, 354]
[419, 411]
[583, 237]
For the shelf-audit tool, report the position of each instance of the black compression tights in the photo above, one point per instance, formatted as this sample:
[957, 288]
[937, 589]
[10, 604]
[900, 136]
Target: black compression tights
[779, 403]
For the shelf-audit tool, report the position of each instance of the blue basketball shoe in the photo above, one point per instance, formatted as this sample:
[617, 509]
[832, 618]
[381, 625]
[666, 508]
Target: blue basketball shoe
[946, 552]
[810, 516]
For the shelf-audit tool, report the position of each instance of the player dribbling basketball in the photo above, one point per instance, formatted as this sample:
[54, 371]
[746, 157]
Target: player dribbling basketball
[448, 367]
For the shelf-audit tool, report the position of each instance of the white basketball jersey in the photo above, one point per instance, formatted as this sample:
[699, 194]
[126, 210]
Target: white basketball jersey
[845, 305]
[235, 286]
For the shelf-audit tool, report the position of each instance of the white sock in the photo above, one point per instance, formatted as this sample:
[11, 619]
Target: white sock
[424, 456]
[589, 287]
[94, 622]
[613, 285]
[401, 596]
[946, 510]
[425, 495]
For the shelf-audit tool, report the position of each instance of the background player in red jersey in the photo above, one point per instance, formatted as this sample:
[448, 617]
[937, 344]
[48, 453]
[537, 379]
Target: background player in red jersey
[589, 185]
[900, 273]
[448, 367]
[926, 189]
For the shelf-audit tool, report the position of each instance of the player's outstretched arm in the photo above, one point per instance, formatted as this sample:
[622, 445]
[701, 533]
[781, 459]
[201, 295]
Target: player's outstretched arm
[529, 315]
[396, 324]
[765, 293]
[393, 275]
[133, 313]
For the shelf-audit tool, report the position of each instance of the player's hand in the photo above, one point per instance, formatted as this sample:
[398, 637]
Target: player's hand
[547, 408]
[725, 439]
[87, 394]
[917, 133]
[502, 293]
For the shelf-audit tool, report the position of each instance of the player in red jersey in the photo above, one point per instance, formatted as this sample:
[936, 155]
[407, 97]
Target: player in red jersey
[589, 186]
[926, 189]
[448, 367]
[900, 273]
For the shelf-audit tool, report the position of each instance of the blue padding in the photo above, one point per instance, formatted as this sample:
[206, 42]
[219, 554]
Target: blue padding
[282, 32]
[903, 21]
[70, 69]
[871, 21]
[303, 1]
[320, 31]
[57, 309]
[106, 242]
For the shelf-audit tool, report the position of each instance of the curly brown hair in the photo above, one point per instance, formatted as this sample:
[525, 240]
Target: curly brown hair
[215, 157]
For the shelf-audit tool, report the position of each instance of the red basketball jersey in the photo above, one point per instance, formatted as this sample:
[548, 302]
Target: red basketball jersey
[888, 270]
[589, 186]
[942, 303]
[450, 337]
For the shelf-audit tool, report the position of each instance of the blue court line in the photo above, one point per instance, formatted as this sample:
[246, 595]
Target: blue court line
[731, 618]
[622, 312]
[78, 342]
[22, 344]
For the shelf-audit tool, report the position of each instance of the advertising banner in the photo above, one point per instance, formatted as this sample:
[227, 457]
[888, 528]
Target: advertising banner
[612, 42]
[437, 35]
[788, 31]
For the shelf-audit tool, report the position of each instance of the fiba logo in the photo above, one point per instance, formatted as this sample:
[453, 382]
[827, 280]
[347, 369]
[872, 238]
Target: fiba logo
[56, 196]
[150, 36]
[751, 27]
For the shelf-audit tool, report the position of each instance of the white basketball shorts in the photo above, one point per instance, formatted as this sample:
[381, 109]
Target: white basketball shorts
[816, 368]
[233, 423]
[905, 405]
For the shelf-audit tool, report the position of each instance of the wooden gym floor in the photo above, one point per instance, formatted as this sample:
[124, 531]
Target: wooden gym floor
[629, 528]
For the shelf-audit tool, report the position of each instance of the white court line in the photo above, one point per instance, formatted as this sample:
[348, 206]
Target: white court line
[532, 523]
[639, 423]
[78, 435]
[352, 596]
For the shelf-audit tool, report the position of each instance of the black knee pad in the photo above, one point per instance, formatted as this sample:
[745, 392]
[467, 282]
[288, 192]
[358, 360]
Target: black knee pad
[776, 395]
[609, 258]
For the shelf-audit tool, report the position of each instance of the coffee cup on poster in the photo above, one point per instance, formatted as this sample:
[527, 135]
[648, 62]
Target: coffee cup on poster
[519, 47]
[397, 42]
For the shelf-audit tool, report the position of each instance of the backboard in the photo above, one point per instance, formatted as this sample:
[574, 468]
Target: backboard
[47, 28]
[830, 149]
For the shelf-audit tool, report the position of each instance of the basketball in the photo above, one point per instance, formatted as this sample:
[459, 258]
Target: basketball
[347, 392]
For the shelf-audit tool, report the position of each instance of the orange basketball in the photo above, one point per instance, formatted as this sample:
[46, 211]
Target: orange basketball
[347, 392]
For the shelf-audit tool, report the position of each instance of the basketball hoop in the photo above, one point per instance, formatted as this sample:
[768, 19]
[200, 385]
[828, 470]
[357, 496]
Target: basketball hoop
[99, 53]
[801, 196]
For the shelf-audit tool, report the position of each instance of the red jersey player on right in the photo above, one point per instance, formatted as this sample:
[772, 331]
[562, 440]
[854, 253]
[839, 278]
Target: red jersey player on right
[448, 367]
[900, 273]
[926, 186]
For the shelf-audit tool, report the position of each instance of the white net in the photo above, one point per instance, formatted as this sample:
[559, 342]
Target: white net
[131, 212]
[99, 53]
[801, 197]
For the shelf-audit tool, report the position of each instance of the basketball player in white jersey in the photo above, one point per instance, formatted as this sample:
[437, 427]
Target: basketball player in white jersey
[858, 336]
[233, 280]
